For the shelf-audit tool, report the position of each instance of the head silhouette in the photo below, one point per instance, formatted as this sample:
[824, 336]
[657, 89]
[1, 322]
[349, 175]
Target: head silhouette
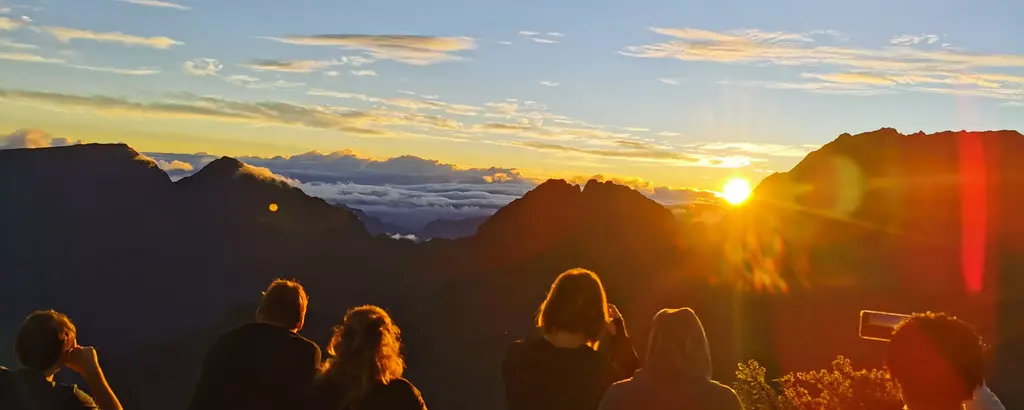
[937, 361]
[678, 347]
[284, 304]
[365, 350]
[43, 341]
[575, 304]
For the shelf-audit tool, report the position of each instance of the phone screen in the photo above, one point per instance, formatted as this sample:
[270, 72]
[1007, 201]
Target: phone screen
[879, 325]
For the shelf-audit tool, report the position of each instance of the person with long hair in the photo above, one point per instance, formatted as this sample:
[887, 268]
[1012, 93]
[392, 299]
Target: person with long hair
[365, 369]
[582, 349]
[676, 372]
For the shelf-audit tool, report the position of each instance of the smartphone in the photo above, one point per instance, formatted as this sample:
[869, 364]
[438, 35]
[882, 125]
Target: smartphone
[876, 325]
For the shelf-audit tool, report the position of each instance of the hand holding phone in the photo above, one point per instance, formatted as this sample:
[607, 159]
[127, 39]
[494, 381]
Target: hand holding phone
[876, 325]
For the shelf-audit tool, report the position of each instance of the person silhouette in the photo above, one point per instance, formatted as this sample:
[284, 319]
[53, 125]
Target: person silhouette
[46, 343]
[583, 348]
[366, 366]
[265, 365]
[676, 373]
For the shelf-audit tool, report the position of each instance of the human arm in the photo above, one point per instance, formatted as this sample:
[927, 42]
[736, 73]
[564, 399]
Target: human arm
[407, 395]
[83, 360]
[617, 348]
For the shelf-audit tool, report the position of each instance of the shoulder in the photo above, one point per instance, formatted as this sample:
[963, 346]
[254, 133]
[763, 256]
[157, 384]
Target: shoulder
[76, 398]
[616, 394]
[403, 391]
[724, 393]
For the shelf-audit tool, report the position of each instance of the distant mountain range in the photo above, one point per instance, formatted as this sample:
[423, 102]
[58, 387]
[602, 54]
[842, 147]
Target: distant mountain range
[152, 270]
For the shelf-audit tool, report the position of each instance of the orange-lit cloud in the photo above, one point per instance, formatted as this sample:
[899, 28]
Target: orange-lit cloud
[415, 50]
[66, 35]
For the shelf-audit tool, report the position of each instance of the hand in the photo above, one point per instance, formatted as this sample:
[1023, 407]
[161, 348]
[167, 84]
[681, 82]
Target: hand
[83, 360]
[613, 313]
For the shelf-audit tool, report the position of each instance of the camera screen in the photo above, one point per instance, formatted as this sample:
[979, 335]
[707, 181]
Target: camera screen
[879, 325]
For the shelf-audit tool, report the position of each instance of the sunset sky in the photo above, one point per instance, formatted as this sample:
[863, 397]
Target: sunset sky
[681, 93]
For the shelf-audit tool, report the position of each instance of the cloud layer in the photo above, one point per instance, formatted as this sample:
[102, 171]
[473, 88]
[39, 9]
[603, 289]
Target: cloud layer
[33, 138]
[912, 63]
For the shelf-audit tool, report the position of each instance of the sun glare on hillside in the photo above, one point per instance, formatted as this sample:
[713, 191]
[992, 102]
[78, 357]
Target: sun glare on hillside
[736, 191]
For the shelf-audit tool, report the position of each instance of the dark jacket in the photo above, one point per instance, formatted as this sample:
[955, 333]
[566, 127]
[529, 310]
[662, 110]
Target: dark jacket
[27, 389]
[257, 366]
[399, 394]
[540, 376]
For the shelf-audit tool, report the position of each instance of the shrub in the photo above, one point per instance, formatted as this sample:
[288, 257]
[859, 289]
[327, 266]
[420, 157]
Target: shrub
[838, 388]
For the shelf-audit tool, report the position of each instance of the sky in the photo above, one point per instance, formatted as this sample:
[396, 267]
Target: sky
[681, 94]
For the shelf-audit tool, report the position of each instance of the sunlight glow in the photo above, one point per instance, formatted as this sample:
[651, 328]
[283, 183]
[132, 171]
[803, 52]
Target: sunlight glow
[273, 207]
[736, 191]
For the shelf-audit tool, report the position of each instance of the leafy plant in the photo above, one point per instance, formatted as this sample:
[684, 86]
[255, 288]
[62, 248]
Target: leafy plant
[838, 388]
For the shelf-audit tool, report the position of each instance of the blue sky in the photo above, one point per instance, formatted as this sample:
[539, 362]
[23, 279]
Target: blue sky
[677, 93]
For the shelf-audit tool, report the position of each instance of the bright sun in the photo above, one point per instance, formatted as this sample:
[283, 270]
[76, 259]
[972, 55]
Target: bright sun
[736, 191]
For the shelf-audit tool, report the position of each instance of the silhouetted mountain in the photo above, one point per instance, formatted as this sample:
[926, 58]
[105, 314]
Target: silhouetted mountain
[451, 228]
[153, 270]
[376, 226]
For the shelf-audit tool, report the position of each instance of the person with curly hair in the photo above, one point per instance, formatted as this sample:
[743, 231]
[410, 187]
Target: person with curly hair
[365, 369]
[938, 362]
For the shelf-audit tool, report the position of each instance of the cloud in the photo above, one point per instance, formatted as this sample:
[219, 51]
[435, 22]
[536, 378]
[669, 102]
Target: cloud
[430, 104]
[8, 43]
[671, 81]
[855, 70]
[288, 66]
[267, 174]
[332, 73]
[635, 154]
[66, 35]
[414, 50]
[9, 24]
[249, 81]
[174, 165]
[1013, 104]
[537, 37]
[123, 71]
[33, 138]
[29, 58]
[911, 39]
[157, 3]
[507, 43]
[550, 83]
[202, 67]
[775, 150]
[213, 108]
[364, 73]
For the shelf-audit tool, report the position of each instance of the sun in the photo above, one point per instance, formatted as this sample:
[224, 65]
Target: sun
[736, 191]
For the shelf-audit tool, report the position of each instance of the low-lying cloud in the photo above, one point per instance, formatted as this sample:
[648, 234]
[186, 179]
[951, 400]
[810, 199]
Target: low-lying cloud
[414, 50]
[34, 138]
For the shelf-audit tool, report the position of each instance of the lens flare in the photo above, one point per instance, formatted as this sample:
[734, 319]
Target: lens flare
[736, 191]
[273, 207]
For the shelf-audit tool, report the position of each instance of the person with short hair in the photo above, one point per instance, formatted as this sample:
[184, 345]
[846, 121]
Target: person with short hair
[676, 373]
[47, 342]
[938, 362]
[583, 348]
[265, 365]
[366, 366]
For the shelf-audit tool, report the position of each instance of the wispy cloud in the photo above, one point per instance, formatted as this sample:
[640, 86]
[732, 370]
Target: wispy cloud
[911, 39]
[507, 43]
[550, 83]
[65, 35]
[288, 66]
[543, 38]
[123, 71]
[29, 58]
[8, 43]
[855, 70]
[364, 73]
[249, 81]
[414, 50]
[202, 67]
[157, 3]
[9, 24]
[671, 81]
